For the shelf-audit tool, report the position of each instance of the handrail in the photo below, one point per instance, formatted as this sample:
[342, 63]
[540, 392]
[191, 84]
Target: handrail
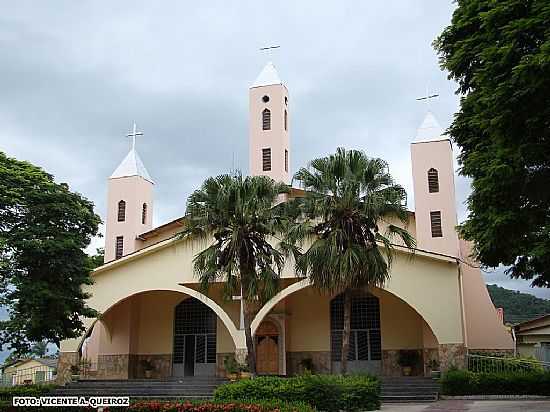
[496, 364]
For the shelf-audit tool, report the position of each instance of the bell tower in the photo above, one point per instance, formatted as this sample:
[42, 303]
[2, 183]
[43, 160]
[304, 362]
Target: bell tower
[269, 125]
[129, 204]
[434, 189]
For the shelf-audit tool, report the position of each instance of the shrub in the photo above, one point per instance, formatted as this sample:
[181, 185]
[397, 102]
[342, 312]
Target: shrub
[188, 406]
[8, 392]
[330, 393]
[462, 382]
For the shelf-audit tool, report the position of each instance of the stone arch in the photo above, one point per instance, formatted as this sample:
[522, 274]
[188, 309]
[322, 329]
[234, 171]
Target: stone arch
[236, 335]
[304, 283]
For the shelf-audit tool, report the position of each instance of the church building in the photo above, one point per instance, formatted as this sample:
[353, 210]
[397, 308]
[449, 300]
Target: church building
[154, 316]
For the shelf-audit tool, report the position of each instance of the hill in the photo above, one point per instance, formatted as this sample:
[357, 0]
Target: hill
[518, 307]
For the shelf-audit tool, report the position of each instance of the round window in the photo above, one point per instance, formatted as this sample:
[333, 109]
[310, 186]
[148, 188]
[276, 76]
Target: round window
[265, 99]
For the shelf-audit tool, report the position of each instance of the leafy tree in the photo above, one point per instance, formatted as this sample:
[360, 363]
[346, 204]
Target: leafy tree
[39, 349]
[518, 307]
[239, 215]
[44, 228]
[349, 202]
[98, 259]
[499, 53]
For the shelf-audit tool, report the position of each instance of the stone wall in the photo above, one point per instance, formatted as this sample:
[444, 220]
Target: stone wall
[428, 354]
[113, 366]
[162, 366]
[64, 363]
[390, 365]
[452, 355]
[320, 359]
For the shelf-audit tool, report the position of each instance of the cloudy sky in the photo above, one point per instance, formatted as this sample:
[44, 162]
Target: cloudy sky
[75, 75]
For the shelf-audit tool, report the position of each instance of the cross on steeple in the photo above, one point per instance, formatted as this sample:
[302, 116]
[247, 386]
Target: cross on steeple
[133, 136]
[269, 49]
[428, 97]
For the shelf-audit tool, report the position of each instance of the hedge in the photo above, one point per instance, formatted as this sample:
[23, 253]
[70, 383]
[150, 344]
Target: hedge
[176, 406]
[8, 392]
[331, 393]
[197, 406]
[462, 382]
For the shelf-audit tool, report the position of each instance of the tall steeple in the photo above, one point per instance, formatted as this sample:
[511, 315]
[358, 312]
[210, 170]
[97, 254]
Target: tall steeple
[129, 204]
[434, 189]
[269, 125]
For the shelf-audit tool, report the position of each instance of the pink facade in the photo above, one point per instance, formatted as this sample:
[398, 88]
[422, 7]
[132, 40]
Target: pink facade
[132, 185]
[434, 157]
[269, 125]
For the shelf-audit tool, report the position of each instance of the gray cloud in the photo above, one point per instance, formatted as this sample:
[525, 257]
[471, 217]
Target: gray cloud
[74, 75]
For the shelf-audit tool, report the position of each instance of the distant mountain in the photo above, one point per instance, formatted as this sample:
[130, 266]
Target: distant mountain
[518, 307]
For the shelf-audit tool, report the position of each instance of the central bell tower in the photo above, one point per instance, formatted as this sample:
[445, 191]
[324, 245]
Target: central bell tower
[269, 125]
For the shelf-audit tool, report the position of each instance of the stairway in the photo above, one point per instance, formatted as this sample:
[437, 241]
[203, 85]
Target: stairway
[402, 389]
[171, 388]
[409, 390]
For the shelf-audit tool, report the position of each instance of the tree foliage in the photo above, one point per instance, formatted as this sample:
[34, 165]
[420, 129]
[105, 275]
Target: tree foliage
[44, 228]
[518, 307]
[239, 215]
[499, 53]
[349, 204]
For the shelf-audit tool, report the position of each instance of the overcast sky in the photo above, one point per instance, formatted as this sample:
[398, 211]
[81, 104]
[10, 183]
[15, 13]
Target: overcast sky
[75, 75]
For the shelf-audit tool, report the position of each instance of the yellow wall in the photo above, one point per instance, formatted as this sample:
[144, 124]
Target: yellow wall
[427, 283]
[26, 372]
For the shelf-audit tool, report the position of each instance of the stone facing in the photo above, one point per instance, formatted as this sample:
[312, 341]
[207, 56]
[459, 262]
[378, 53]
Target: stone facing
[162, 364]
[452, 355]
[64, 363]
[320, 359]
[113, 366]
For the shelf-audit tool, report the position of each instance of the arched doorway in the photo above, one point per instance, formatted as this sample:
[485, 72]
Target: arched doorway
[194, 339]
[267, 348]
[365, 349]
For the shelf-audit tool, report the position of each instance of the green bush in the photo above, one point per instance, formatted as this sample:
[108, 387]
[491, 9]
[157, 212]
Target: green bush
[462, 382]
[329, 393]
[8, 392]
[188, 406]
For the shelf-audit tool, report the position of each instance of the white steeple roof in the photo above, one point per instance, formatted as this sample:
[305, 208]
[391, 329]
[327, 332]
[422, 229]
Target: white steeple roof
[429, 129]
[267, 77]
[131, 166]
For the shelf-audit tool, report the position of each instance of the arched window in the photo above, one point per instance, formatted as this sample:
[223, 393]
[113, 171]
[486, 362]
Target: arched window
[121, 211]
[433, 181]
[144, 214]
[286, 120]
[365, 338]
[266, 119]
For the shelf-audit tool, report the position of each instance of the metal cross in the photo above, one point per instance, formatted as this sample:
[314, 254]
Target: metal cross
[428, 97]
[133, 136]
[269, 48]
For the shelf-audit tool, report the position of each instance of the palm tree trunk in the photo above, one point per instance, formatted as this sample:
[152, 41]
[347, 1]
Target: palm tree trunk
[346, 331]
[251, 357]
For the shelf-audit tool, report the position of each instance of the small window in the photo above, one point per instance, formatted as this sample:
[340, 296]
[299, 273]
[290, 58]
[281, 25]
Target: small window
[433, 181]
[286, 160]
[266, 160]
[144, 214]
[265, 99]
[286, 101]
[121, 211]
[435, 220]
[119, 247]
[286, 120]
[266, 119]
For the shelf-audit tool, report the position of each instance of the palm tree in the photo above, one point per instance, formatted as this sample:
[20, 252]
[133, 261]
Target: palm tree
[348, 200]
[239, 215]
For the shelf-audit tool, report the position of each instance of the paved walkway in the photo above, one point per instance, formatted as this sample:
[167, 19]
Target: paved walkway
[471, 406]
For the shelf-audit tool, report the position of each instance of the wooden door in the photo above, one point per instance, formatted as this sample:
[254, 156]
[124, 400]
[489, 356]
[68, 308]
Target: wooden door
[267, 355]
